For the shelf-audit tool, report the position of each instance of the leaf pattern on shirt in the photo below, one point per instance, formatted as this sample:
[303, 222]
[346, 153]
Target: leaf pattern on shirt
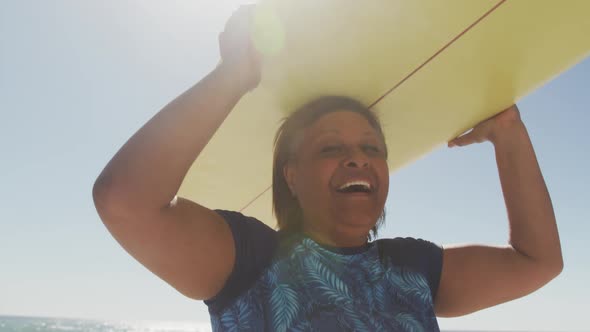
[284, 306]
[409, 288]
[327, 282]
[312, 288]
[236, 319]
[409, 323]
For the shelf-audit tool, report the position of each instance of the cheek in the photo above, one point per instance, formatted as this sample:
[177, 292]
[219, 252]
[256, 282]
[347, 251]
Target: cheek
[316, 177]
[383, 173]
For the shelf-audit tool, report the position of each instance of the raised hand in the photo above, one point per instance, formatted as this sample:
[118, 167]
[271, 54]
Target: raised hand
[491, 129]
[238, 54]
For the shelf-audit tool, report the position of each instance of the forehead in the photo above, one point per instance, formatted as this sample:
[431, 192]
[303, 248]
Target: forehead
[342, 123]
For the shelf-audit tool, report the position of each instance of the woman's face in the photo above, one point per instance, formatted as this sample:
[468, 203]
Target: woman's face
[340, 178]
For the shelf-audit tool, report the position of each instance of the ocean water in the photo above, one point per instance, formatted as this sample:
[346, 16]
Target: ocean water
[41, 324]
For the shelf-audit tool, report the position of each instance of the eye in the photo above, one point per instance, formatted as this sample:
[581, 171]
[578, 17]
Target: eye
[331, 148]
[371, 148]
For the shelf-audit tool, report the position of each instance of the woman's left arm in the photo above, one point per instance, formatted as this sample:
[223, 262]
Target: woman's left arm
[475, 277]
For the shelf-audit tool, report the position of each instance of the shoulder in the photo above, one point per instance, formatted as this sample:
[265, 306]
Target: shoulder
[254, 240]
[419, 255]
[255, 244]
[240, 221]
[406, 250]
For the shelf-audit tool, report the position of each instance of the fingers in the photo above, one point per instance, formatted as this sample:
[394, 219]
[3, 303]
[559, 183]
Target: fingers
[465, 139]
[487, 129]
[235, 39]
[455, 142]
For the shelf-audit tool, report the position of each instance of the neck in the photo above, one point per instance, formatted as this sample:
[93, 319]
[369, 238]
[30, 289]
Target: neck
[341, 238]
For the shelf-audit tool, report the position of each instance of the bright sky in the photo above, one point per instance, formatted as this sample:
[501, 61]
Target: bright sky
[77, 79]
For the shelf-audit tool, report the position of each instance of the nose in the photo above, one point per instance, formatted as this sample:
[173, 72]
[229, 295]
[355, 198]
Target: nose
[356, 159]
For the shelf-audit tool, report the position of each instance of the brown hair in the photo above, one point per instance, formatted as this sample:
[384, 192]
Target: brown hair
[286, 207]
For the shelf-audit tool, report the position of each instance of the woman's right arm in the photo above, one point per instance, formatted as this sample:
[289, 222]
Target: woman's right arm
[187, 245]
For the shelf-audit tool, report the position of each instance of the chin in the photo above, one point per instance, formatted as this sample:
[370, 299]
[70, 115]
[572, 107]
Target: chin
[352, 235]
[358, 223]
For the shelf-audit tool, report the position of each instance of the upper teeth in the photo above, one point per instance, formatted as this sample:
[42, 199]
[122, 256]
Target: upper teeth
[365, 184]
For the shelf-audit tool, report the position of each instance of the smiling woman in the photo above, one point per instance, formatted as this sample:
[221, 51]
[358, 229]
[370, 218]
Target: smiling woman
[319, 271]
[318, 138]
[330, 184]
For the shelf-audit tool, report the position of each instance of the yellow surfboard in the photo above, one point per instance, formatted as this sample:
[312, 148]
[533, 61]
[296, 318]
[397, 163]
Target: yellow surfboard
[430, 68]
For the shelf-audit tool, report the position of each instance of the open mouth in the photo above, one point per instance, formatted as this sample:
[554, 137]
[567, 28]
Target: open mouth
[355, 187]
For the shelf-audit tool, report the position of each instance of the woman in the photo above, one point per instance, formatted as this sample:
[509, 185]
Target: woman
[330, 183]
